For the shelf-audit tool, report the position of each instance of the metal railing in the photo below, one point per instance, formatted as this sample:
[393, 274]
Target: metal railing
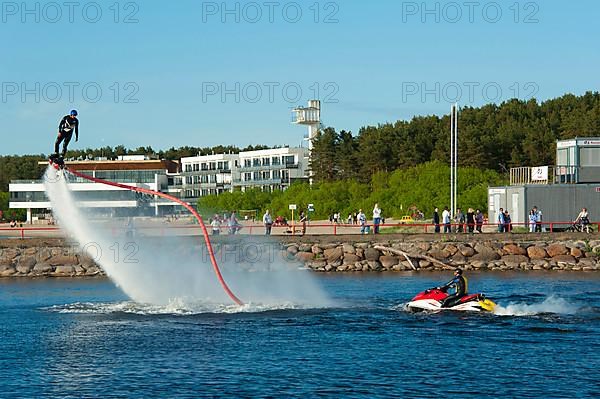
[251, 168]
[31, 181]
[248, 228]
[555, 175]
[241, 182]
[206, 172]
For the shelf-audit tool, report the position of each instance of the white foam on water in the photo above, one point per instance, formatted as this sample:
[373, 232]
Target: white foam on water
[552, 304]
[163, 271]
[176, 307]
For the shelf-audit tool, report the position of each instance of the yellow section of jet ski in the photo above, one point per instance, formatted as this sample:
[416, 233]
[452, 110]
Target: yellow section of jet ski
[487, 305]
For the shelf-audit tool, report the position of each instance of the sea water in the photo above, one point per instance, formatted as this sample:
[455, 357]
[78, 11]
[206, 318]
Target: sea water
[78, 338]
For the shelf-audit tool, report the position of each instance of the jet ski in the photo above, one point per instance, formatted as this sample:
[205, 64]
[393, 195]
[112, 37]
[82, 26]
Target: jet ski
[431, 299]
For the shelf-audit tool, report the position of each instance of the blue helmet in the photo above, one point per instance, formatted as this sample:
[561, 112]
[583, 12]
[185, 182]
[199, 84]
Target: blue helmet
[73, 112]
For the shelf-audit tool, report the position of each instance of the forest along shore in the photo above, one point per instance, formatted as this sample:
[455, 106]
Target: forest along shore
[394, 253]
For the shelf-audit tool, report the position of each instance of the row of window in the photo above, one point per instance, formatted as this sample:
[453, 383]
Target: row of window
[217, 165]
[588, 156]
[128, 176]
[247, 176]
[202, 193]
[269, 161]
[200, 179]
[248, 163]
[196, 193]
[266, 175]
[40, 196]
[268, 189]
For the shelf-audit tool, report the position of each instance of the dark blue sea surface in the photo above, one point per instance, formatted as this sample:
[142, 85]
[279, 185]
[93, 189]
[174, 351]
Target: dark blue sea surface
[83, 339]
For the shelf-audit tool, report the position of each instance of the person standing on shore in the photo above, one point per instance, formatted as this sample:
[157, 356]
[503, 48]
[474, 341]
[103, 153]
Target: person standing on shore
[507, 222]
[376, 218]
[459, 219]
[470, 220]
[538, 220]
[532, 221]
[216, 226]
[303, 221]
[479, 220]
[436, 220]
[446, 220]
[501, 220]
[362, 220]
[234, 224]
[268, 222]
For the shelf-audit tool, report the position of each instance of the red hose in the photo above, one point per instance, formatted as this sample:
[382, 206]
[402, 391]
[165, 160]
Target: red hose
[213, 260]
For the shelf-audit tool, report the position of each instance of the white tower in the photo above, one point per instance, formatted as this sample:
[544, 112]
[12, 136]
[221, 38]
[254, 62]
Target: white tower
[309, 116]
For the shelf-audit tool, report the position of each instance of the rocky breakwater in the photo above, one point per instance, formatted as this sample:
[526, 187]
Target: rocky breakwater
[55, 261]
[398, 255]
[57, 258]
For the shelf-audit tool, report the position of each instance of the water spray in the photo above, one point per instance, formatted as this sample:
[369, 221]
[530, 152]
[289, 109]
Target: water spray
[180, 202]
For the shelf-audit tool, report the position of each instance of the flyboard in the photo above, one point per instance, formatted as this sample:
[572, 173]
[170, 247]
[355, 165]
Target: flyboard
[57, 161]
[59, 164]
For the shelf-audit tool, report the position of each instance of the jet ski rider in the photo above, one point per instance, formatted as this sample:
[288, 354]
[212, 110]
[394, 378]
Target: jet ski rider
[459, 285]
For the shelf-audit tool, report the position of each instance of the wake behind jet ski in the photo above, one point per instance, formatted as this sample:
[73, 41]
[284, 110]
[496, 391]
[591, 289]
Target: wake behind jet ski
[438, 298]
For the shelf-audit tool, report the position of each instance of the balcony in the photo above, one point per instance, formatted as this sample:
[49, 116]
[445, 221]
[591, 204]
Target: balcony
[207, 172]
[203, 185]
[32, 181]
[264, 182]
[255, 168]
[544, 175]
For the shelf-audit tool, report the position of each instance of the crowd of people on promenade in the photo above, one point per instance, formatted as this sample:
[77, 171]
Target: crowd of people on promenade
[472, 221]
[228, 220]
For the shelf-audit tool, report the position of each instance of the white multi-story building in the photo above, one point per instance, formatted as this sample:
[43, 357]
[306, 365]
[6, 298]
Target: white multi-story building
[272, 169]
[269, 170]
[207, 175]
[190, 179]
[155, 175]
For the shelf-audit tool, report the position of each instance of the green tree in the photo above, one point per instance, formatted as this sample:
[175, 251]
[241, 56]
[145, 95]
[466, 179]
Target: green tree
[347, 156]
[323, 163]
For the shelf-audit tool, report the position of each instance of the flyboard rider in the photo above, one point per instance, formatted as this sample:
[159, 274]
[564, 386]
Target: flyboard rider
[67, 126]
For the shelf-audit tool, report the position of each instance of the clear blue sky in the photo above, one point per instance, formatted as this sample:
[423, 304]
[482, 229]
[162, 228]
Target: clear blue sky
[370, 64]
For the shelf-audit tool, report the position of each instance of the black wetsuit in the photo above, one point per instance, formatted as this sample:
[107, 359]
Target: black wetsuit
[67, 126]
[459, 283]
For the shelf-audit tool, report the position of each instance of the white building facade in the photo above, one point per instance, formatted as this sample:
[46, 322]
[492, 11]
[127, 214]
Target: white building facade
[273, 169]
[190, 179]
[206, 175]
[150, 174]
[268, 170]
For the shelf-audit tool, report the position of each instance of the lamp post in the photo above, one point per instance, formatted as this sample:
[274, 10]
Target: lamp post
[453, 158]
